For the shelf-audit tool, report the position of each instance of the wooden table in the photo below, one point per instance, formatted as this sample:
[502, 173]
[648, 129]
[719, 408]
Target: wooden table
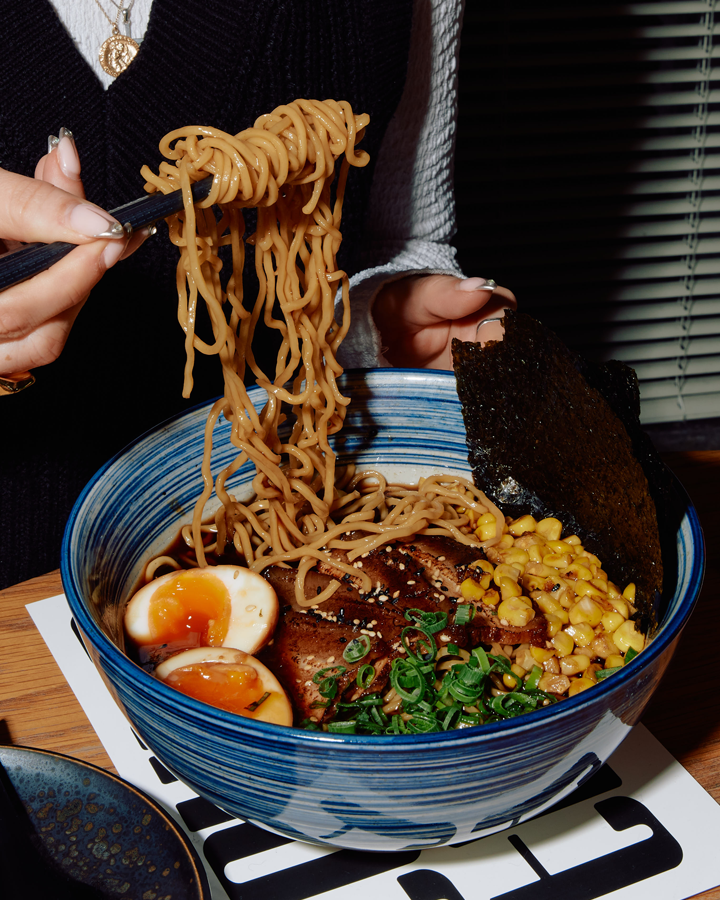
[38, 709]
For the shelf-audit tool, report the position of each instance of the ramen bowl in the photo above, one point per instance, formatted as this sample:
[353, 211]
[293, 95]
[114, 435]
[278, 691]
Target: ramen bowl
[367, 793]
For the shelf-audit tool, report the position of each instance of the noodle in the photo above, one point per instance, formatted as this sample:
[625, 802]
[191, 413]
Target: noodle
[303, 504]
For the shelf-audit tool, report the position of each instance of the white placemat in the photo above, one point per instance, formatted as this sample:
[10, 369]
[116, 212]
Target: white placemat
[642, 827]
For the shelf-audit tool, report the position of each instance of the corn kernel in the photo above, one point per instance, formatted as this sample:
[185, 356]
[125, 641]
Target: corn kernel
[541, 655]
[612, 662]
[561, 547]
[491, 597]
[629, 593]
[505, 571]
[484, 565]
[579, 684]
[548, 603]
[601, 584]
[515, 612]
[582, 634]
[554, 684]
[509, 588]
[487, 531]
[604, 646]
[507, 540]
[471, 590]
[554, 624]
[573, 665]
[627, 636]
[522, 525]
[574, 540]
[537, 568]
[620, 606]
[557, 560]
[585, 588]
[577, 571]
[511, 682]
[535, 552]
[564, 644]
[516, 557]
[550, 528]
[586, 610]
[610, 621]
[487, 519]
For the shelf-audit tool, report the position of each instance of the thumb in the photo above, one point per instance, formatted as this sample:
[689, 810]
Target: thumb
[32, 210]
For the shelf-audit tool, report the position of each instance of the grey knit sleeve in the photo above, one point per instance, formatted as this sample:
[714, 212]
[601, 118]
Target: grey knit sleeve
[412, 207]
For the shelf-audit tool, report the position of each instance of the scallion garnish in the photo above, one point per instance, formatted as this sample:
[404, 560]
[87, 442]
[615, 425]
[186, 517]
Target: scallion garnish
[357, 649]
[603, 673]
[464, 613]
[630, 654]
[365, 676]
[429, 622]
[253, 706]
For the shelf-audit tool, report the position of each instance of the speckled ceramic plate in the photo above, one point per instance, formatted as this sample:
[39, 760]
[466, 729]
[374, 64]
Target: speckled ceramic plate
[100, 830]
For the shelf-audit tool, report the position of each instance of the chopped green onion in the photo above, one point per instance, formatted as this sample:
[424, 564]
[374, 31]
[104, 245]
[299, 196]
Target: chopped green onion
[427, 647]
[407, 681]
[464, 613]
[429, 622]
[357, 649]
[482, 657]
[341, 727]
[253, 706]
[630, 654]
[533, 678]
[603, 673]
[365, 676]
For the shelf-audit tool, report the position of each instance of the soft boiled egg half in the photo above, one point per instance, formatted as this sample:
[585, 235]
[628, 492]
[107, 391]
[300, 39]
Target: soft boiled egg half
[218, 606]
[229, 679]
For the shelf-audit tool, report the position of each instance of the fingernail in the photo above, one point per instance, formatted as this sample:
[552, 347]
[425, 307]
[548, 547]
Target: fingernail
[112, 253]
[92, 222]
[490, 330]
[67, 154]
[476, 284]
[53, 141]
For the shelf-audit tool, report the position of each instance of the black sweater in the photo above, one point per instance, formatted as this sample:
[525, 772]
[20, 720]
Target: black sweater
[215, 62]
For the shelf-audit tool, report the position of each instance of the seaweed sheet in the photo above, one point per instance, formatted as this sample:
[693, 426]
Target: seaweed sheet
[552, 435]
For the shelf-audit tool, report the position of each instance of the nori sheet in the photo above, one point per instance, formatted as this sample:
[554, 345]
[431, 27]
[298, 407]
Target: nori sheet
[546, 436]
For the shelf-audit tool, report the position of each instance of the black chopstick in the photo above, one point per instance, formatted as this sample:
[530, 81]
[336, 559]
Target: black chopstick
[33, 258]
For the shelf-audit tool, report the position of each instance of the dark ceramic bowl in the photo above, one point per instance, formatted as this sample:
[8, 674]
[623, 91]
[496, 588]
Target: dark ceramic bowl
[101, 831]
[370, 793]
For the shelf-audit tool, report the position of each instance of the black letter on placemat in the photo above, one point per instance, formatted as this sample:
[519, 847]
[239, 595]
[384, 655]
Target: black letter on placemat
[631, 865]
[426, 884]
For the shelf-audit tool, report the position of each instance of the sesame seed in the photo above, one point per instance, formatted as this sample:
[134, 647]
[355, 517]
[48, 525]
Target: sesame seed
[396, 595]
[383, 597]
[441, 559]
[411, 582]
[356, 621]
[401, 566]
[331, 659]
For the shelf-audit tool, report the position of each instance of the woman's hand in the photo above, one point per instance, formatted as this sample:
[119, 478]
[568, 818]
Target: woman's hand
[36, 316]
[419, 315]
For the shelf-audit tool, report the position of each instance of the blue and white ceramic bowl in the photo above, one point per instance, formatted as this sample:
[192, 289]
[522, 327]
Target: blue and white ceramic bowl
[369, 793]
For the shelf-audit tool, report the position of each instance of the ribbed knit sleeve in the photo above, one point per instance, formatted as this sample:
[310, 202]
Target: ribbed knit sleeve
[411, 215]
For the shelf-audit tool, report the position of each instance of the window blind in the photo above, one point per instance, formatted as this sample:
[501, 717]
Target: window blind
[588, 181]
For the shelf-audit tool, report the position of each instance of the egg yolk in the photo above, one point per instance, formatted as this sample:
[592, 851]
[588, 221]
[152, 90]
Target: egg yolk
[228, 686]
[194, 602]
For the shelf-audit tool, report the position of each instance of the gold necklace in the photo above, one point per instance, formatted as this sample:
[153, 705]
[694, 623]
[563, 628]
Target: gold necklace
[119, 50]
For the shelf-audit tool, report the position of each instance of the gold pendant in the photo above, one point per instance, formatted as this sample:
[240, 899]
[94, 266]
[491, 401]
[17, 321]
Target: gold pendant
[117, 53]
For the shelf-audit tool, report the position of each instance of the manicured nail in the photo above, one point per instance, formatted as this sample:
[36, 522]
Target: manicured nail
[490, 330]
[112, 253]
[67, 154]
[53, 141]
[476, 284]
[92, 222]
